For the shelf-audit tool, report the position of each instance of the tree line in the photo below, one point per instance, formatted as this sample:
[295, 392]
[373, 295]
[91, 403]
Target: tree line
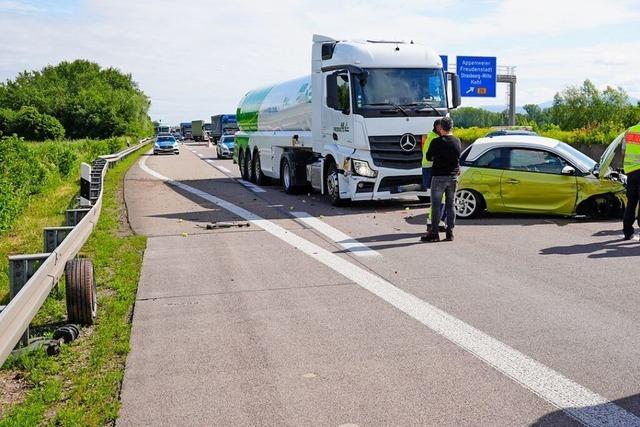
[582, 107]
[76, 99]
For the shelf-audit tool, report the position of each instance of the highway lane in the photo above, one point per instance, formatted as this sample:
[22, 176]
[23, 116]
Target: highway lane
[559, 291]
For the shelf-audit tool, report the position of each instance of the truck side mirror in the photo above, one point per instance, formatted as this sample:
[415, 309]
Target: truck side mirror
[332, 91]
[455, 90]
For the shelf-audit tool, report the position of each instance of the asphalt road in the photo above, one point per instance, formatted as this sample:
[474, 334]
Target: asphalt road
[315, 315]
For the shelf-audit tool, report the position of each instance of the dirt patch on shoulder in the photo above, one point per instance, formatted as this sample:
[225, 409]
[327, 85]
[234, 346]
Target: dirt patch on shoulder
[13, 390]
[124, 226]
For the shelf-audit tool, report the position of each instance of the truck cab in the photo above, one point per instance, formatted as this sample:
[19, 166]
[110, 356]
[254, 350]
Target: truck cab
[379, 99]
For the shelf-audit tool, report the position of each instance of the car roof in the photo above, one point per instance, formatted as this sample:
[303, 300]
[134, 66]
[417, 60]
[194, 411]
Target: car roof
[481, 145]
[510, 132]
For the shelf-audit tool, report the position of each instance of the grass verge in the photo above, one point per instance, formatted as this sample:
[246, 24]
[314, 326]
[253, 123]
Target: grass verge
[80, 387]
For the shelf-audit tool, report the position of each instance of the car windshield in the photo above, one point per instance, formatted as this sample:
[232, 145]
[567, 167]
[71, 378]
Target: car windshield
[227, 140]
[421, 88]
[584, 160]
[166, 139]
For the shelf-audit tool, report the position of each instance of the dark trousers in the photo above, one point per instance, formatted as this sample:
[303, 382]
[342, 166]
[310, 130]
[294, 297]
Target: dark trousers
[443, 185]
[633, 195]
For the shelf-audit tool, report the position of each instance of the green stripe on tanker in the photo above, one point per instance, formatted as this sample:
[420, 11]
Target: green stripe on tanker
[285, 106]
[247, 113]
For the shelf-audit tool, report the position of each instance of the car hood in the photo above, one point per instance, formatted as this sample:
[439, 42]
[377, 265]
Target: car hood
[607, 156]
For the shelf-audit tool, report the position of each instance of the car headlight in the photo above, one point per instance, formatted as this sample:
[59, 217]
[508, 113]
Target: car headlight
[361, 167]
[156, 145]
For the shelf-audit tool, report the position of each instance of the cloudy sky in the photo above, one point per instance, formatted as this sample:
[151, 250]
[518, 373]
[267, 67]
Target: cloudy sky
[196, 58]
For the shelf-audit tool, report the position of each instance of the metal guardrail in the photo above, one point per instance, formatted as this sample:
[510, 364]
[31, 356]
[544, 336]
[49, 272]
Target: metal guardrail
[17, 315]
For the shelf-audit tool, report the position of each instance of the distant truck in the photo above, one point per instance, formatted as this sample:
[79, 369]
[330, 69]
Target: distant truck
[197, 130]
[163, 129]
[223, 124]
[185, 130]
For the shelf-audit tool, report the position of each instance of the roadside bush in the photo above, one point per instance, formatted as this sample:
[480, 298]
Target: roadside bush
[469, 135]
[6, 121]
[31, 125]
[29, 168]
[592, 135]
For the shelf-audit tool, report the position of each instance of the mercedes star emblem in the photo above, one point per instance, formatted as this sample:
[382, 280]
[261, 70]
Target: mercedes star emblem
[407, 142]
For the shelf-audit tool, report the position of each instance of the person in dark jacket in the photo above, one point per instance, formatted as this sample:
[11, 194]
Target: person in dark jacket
[444, 152]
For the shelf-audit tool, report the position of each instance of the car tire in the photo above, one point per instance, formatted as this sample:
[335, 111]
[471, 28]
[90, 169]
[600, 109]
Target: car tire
[468, 204]
[332, 185]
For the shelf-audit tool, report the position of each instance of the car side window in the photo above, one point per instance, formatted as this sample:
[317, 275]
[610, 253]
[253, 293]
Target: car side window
[535, 161]
[492, 159]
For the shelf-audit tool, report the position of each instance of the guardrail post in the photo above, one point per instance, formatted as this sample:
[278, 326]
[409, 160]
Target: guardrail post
[53, 236]
[74, 216]
[21, 269]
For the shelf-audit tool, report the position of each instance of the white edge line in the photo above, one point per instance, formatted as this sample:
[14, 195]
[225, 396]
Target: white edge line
[575, 400]
[344, 240]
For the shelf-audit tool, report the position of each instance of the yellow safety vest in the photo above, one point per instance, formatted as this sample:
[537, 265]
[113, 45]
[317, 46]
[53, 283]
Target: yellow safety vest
[426, 142]
[632, 149]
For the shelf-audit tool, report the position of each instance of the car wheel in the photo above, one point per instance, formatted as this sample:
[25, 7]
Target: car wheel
[333, 186]
[468, 204]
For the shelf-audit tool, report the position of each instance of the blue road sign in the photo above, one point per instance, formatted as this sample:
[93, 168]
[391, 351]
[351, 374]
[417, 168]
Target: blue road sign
[477, 76]
[445, 62]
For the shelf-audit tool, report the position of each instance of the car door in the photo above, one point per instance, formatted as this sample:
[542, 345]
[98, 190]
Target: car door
[533, 182]
[484, 176]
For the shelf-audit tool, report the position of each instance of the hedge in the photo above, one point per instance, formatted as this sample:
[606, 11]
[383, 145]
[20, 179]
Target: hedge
[590, 136]
[27, 169]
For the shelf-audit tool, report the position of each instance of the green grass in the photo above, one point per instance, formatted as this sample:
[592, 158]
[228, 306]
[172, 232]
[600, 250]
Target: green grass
[80, 387]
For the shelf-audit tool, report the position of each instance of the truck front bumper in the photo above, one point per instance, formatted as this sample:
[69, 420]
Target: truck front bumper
[388, 185]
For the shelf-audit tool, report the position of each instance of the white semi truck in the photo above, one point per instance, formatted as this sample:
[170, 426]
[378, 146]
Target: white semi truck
[353, 128]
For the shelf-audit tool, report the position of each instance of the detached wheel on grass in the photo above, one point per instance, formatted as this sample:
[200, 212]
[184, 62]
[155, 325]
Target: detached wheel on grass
[82, 296]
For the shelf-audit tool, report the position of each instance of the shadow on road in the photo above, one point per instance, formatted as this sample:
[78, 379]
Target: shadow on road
[615, 248]
[560, 418]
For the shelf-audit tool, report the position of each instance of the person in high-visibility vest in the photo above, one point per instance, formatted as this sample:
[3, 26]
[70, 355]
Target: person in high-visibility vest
[427, 164]
[631, 150]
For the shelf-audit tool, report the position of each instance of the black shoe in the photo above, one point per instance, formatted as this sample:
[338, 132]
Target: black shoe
[449, 237]
[628, 236]
[430, 238]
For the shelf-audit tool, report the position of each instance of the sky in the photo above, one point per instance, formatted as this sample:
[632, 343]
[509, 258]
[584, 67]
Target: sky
[197, 58]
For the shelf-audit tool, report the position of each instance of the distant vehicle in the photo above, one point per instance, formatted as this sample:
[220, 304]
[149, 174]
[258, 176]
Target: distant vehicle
[185, 130]
[225, 147]
[163, 129]
[223, 124]
[178, 136]
[536, 175]
[197, 130]
[165, 144]
[502, 132]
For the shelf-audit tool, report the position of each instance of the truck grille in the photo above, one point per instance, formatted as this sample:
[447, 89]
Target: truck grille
[387, 153]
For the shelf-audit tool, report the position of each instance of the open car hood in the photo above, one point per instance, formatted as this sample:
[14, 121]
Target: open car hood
[607, 156]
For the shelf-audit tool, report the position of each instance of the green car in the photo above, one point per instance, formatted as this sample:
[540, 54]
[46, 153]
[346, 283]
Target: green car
[537, 175]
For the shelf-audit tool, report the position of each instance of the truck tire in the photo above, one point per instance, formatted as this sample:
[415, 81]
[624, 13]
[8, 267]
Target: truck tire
[257, 175]
[332, 185]
[82, 296]
[286, 177]
[246, 165]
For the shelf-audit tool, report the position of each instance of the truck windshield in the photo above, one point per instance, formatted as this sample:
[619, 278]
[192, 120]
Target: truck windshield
[419, 91]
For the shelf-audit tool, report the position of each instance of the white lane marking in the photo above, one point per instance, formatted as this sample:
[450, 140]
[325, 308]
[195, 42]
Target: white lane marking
[251, 186]
[575, 400]
[200, 155]
[336, 235]
[223, 169]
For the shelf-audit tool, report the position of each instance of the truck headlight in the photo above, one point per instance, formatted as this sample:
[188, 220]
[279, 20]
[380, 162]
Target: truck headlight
[361, 167]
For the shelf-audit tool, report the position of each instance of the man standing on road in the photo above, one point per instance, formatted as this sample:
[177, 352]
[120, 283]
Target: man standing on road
[631, 149]
[444, 151]
[427, 164]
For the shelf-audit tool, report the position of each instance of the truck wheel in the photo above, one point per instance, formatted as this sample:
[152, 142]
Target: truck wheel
[286, 177]
[240, 161]
[333, 186]
[82, 296]
[246, 168]
[257, 174]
